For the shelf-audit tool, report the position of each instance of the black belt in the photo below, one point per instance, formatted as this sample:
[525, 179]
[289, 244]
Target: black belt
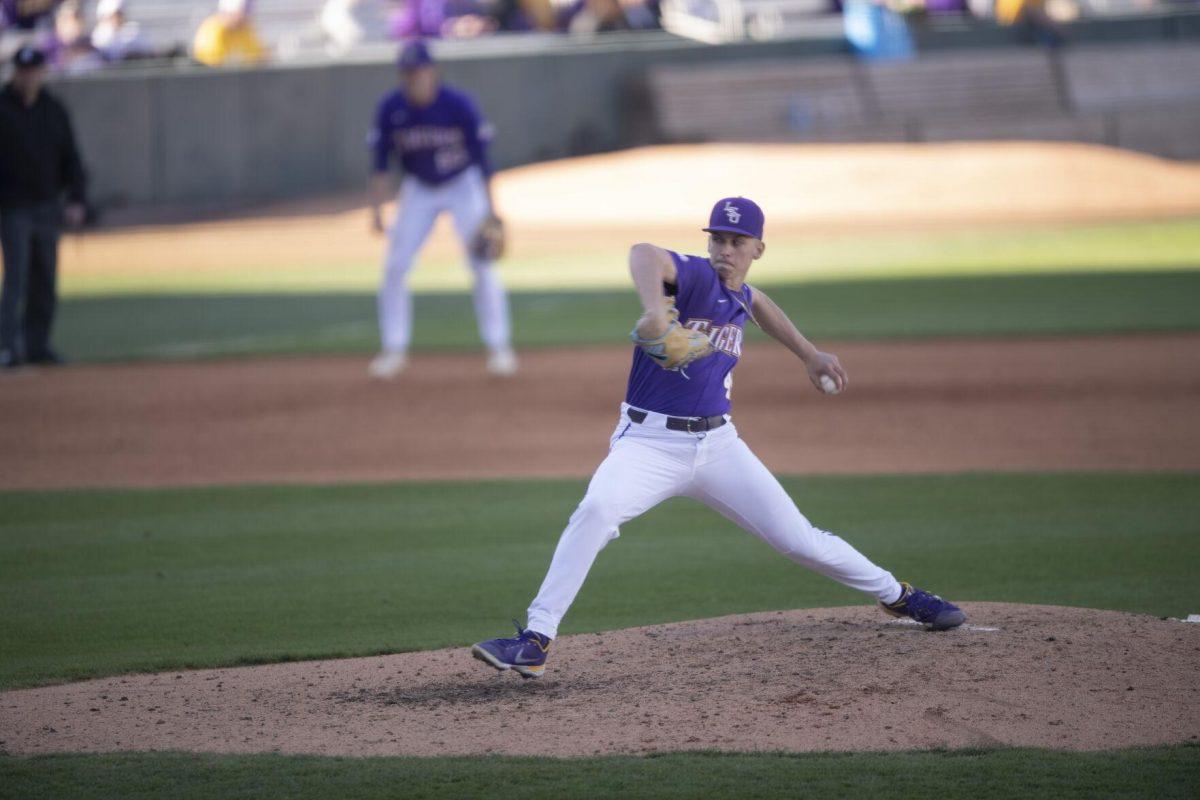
[689, 424]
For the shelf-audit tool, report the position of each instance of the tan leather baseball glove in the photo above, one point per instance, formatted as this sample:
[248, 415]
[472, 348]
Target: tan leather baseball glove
[677, 346]
[489, 240]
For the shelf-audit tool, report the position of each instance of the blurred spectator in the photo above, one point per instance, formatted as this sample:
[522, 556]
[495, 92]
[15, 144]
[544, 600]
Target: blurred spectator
[39, 162]
[522, 15]
[347, 23]
[596, 16]
[228, 36]
[642, 14]
[1031, 20]
[938, 6]
[26, 15]
[25, 22]
[117, 37]
[417, 19]
[876, 32]
[451, 18]
[70, 49]
[464, 19]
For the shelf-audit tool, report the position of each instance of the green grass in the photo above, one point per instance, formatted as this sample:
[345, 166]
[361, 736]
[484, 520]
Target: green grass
[101, 582]
[97, 582]
[1160, 773]
[166, 326]
[1156, 245]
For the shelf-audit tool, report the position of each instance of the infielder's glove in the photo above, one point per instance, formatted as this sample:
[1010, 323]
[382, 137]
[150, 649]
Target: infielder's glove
[488, 241]
[678, 346]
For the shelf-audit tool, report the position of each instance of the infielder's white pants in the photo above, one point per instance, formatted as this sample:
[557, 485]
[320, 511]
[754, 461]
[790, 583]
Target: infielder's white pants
[465, 198]
[648, 464]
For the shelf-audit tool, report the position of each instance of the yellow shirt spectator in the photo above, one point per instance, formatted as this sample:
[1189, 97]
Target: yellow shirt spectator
[225, 39]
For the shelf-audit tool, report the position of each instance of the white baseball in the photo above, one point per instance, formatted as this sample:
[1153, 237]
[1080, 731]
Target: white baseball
[828, 385]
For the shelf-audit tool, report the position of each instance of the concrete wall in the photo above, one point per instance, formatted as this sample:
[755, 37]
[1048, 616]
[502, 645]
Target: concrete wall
[194, 136]
[191, 137]
[1134, 95]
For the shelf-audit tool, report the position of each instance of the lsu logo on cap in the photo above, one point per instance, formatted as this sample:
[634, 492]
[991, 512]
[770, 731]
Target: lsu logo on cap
[739, 215]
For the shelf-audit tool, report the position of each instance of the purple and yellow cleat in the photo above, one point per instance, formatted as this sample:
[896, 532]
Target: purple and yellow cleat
[526, 653]
[926, 608]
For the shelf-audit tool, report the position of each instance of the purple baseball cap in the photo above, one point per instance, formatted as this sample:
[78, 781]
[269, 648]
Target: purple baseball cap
[736, 215]
[415, 54]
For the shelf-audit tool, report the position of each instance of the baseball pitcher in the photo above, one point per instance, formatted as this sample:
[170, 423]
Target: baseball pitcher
[440, 140]
[674, 436]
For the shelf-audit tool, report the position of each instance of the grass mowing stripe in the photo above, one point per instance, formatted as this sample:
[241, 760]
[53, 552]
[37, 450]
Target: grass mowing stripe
[180, 326]
[100, 582]
[1160, 773]
[600, 261]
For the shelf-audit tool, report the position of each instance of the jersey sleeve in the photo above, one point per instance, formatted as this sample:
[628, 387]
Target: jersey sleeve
[379, 140]
[479, 133]
[685, 276]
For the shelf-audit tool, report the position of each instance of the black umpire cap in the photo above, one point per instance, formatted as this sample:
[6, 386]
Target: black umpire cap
[28, 57]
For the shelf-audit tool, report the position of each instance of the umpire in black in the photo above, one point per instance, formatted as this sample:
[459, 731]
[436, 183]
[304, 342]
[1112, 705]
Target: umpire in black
[39, 164]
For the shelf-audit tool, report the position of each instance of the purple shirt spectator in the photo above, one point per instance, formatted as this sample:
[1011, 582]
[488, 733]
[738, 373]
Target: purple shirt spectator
[26, 14]
[418, 19]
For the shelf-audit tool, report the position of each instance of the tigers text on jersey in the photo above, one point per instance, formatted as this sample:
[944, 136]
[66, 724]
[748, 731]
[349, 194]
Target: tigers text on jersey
[434, 143]
[701, 389]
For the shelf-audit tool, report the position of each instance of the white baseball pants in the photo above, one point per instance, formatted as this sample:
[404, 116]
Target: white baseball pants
[465, 198]
[647, 464]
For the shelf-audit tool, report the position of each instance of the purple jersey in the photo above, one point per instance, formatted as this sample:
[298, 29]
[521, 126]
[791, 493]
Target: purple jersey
[434, 143]
[701, 389]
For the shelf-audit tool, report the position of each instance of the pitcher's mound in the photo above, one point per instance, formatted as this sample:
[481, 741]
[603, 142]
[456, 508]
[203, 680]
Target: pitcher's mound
[825, 679]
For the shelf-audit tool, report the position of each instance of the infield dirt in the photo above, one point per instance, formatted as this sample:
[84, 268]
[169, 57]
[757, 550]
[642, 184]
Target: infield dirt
[817, 679]
[1110, 402]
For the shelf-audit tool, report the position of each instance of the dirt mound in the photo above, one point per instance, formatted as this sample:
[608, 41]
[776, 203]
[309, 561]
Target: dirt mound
[818, 679]
[1105, 402]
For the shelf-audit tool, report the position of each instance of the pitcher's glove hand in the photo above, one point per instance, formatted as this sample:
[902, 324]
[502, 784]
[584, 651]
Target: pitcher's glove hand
[488, 241]
[677, 346]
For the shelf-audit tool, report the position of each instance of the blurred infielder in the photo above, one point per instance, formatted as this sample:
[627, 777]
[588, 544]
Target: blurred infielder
[675, 436]
[440, 139]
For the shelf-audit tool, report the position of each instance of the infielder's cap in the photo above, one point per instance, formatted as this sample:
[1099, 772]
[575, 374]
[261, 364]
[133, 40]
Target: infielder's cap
[736, 215]
[28, 57]
[415, 54]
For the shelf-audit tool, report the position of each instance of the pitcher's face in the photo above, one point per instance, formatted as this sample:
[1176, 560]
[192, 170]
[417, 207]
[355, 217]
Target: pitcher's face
[732, 254]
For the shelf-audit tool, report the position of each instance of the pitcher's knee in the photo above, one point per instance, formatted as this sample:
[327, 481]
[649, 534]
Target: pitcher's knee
[597, 511]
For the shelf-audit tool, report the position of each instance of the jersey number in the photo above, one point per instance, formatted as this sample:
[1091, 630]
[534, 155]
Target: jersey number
[728, 385]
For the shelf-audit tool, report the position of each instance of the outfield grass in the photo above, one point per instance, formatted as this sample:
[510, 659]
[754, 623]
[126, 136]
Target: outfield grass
[167, 326]
[101, 582]
[792, 256]
[1160, 773]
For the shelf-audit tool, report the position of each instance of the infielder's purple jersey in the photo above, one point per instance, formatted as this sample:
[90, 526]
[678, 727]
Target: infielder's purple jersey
[701, 389]
[433, 143]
